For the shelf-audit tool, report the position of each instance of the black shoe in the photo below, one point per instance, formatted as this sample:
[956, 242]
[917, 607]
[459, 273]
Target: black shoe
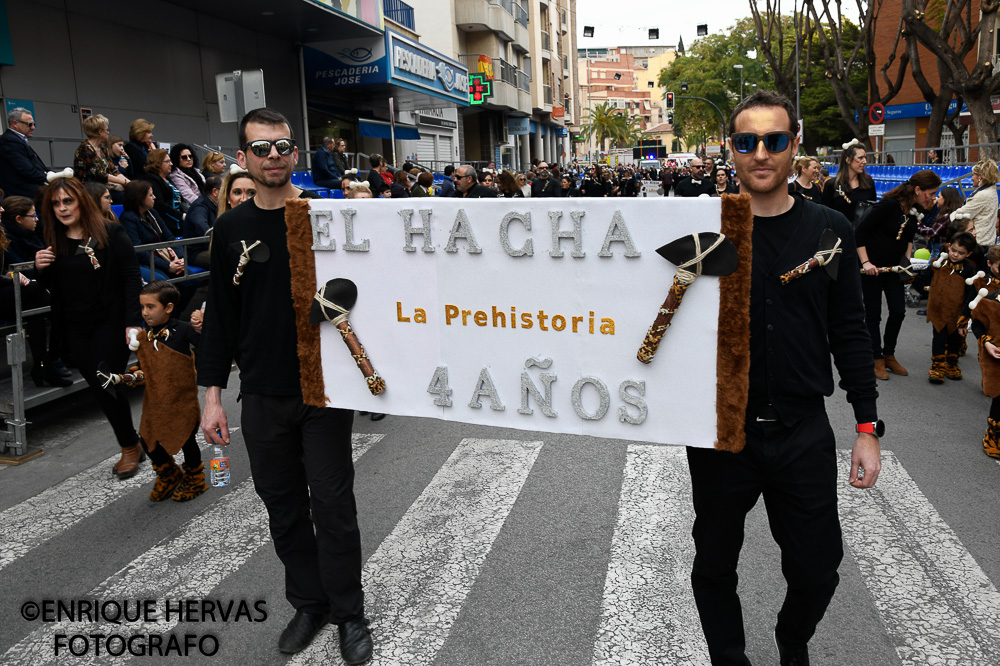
[300, 631]
[60, 368]
[791, 657]
[355, 641]
[43, 373]
[377, 416]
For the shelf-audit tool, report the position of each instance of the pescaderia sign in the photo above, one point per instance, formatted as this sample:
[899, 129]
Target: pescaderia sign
[518, 313]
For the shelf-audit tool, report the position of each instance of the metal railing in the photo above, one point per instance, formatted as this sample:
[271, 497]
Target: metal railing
[14, 437]
[400, 12]
[507, 5]
[520, 15]
[523, 81]
[503, 71]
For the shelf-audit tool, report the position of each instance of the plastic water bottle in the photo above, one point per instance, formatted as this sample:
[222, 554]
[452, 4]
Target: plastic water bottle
[219, 466]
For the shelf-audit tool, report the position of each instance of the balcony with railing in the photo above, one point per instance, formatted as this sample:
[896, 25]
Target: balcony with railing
[522, 41]
[495, 15]
[546, 45]
[506, 79]
[400, 12]
[548, 94]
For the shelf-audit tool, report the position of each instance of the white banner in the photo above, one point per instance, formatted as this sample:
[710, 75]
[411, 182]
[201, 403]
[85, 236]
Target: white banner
[522, 313]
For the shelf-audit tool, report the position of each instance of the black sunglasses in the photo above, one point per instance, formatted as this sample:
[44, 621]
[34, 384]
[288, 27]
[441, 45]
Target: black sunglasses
[262, 147]
[774, 142]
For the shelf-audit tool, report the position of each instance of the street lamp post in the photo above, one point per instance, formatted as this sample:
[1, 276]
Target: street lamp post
[740, 67]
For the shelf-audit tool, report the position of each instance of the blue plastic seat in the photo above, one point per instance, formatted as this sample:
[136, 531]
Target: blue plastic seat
[117, 210]
[337, 194]
[297, 178]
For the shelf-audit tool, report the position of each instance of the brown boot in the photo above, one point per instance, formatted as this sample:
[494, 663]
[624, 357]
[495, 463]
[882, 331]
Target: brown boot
[991, 440]
[168, 477]
[893, 366]
[128, 464]
[142, 459]
[880, 372]
[936, 374]
[193, 483]
[951, 369]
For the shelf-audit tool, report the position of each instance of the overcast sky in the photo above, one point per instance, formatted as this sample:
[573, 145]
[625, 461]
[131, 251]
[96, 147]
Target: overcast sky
[625, 24]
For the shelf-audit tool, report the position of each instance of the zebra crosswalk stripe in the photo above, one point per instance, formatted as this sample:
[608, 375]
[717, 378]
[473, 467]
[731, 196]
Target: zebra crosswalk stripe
[37, 519]
[648, 614]
[937, 604]
[417, 580]
[206, 550]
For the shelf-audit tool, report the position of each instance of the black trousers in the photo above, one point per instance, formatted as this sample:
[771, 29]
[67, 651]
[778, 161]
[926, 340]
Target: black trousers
[105, 343]
[944, 342]
[300, 458]
[192, 454]
[872, 288]
[794, 468]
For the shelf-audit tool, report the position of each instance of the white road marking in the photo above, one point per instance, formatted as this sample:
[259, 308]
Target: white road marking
[937, 604]
[649, 615]
[206, 550]
[421, 574]
[36, 520]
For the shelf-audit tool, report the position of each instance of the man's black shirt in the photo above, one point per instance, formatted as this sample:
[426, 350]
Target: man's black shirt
[795, 328]
[253, 323]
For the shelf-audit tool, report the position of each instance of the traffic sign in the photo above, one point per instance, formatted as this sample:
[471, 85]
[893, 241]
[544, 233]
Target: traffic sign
[876, 130]
[876, 114]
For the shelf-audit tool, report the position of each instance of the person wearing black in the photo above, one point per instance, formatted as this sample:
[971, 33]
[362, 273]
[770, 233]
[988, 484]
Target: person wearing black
[338, 160]
[806, 174]
[300, 456]
[377, 182]
[18, 244]
[790, 454]
[567, 188]
[467, 185]
[595, 185]
[325, 173]
[722, 183]
[697, 183]
[168, 197]
[884, 238]
[851, 187]
[543, 185]
[91, 271]
[22, 171]
[202, 214]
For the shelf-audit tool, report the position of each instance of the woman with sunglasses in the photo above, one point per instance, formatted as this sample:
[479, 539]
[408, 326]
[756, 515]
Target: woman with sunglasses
[213, 164]
[90, 269]
[884, 236]
[851, 187]
[184, 176]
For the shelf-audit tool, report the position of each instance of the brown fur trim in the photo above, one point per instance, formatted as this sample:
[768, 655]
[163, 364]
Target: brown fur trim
[303, 265]
[170, 409]
[986, 313]
[947, 296]
[733, 368]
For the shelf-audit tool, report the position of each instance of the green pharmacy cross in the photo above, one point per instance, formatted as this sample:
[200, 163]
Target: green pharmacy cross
[480, 88]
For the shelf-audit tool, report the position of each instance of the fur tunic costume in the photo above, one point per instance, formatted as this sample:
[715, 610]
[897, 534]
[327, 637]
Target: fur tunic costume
[948, 295]
[986, 326]
[170, 408]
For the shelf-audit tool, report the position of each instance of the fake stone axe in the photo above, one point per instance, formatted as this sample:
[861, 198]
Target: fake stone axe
[705, 253]
[827, 256]
[333, 303]
[110, 379]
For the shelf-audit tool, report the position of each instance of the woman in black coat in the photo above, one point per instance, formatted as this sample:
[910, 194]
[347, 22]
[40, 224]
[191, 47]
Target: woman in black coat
[144, 226]
[852, 186]
[884, 238]
[90, 269]
[168, 197]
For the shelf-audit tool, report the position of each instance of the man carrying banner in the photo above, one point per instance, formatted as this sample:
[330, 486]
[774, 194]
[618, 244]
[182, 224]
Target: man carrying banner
[790, 453]
[300, 456]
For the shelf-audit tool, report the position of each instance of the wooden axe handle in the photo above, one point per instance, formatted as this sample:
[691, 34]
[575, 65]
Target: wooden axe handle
[799, 270]
[375, 383]
[662, 321]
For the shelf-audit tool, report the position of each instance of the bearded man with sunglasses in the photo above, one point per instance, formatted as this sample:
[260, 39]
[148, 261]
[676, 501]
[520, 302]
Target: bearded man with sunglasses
[697, 183]
[300, 456]
[790, 454]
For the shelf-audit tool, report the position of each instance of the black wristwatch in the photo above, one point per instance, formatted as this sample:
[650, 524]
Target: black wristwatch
[876, 428]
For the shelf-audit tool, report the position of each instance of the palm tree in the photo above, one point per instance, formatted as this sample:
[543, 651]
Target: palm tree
[604, 124]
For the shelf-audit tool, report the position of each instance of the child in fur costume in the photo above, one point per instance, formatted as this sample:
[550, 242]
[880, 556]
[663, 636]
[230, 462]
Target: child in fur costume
[949, 295]
[986, 328]
[170, 409]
